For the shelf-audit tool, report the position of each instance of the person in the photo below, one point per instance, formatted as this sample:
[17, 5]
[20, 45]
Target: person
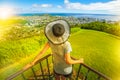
[57, 32]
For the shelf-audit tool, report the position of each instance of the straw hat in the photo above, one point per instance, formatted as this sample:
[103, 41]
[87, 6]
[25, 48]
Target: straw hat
[57, 31]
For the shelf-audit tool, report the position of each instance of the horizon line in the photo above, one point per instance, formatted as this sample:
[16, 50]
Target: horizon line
[65, 13]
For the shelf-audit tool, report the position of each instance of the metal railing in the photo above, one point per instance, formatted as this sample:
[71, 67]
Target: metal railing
[43, 70]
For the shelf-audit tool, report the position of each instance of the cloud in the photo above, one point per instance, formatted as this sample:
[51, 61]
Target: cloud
[46, 5]
[66, 1]
[111, 6]
[35, 5]
[42, 5]
[27, 10]
[59, 6]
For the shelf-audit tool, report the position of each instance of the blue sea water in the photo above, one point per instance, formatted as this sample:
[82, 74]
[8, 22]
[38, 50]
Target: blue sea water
[78, 15]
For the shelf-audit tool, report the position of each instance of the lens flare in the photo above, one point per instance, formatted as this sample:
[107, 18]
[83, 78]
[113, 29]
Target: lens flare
[6, 12]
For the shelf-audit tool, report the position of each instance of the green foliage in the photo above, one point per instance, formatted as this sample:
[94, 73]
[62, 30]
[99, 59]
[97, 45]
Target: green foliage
[19, 42]
[38, 26]
[16, 33]
[13, 50]
[111, 28]
[75, 29]
[20, 21]
[12, 22]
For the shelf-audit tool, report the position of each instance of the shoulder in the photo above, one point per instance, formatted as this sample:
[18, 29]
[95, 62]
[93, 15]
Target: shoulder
[68, 47]
[67, 43]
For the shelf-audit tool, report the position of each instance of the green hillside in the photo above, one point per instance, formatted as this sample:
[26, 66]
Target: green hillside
[99, 50]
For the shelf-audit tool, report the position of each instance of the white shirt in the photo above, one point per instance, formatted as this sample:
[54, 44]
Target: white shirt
[59, 63]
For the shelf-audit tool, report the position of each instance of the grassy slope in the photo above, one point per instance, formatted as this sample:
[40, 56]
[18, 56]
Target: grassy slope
[13, 52]
[99, 50]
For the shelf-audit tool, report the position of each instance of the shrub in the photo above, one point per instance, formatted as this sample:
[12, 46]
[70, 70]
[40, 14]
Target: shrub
[111, 28]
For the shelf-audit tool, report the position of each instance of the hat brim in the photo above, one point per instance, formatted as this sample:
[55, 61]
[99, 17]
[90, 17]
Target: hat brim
[57, 40]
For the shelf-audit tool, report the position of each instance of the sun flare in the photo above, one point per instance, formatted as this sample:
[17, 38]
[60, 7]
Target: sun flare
[6, 12]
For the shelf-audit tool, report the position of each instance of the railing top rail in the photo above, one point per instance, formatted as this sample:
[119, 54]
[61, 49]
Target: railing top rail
[93, 70]
[98, 73]
[30, 66]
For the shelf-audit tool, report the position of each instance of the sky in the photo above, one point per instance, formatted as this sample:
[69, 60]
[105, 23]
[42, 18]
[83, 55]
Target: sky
[62, 6]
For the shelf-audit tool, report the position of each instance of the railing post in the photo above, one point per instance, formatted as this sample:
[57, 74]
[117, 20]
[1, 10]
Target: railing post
[34, 73]
[42, 70]
[98, 78]
[78, 71]
[48, 68]
[23, 76]
[87, 74]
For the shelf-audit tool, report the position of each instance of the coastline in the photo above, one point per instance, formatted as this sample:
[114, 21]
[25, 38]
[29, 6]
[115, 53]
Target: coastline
[77, 15]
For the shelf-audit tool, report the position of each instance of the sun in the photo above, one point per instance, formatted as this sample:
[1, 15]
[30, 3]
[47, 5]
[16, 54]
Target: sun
[6, 12]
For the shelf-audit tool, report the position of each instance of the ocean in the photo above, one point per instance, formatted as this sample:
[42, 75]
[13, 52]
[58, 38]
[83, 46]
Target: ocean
[78, 15]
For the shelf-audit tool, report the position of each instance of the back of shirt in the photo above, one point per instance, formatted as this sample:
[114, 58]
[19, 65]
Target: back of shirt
[59, 63]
